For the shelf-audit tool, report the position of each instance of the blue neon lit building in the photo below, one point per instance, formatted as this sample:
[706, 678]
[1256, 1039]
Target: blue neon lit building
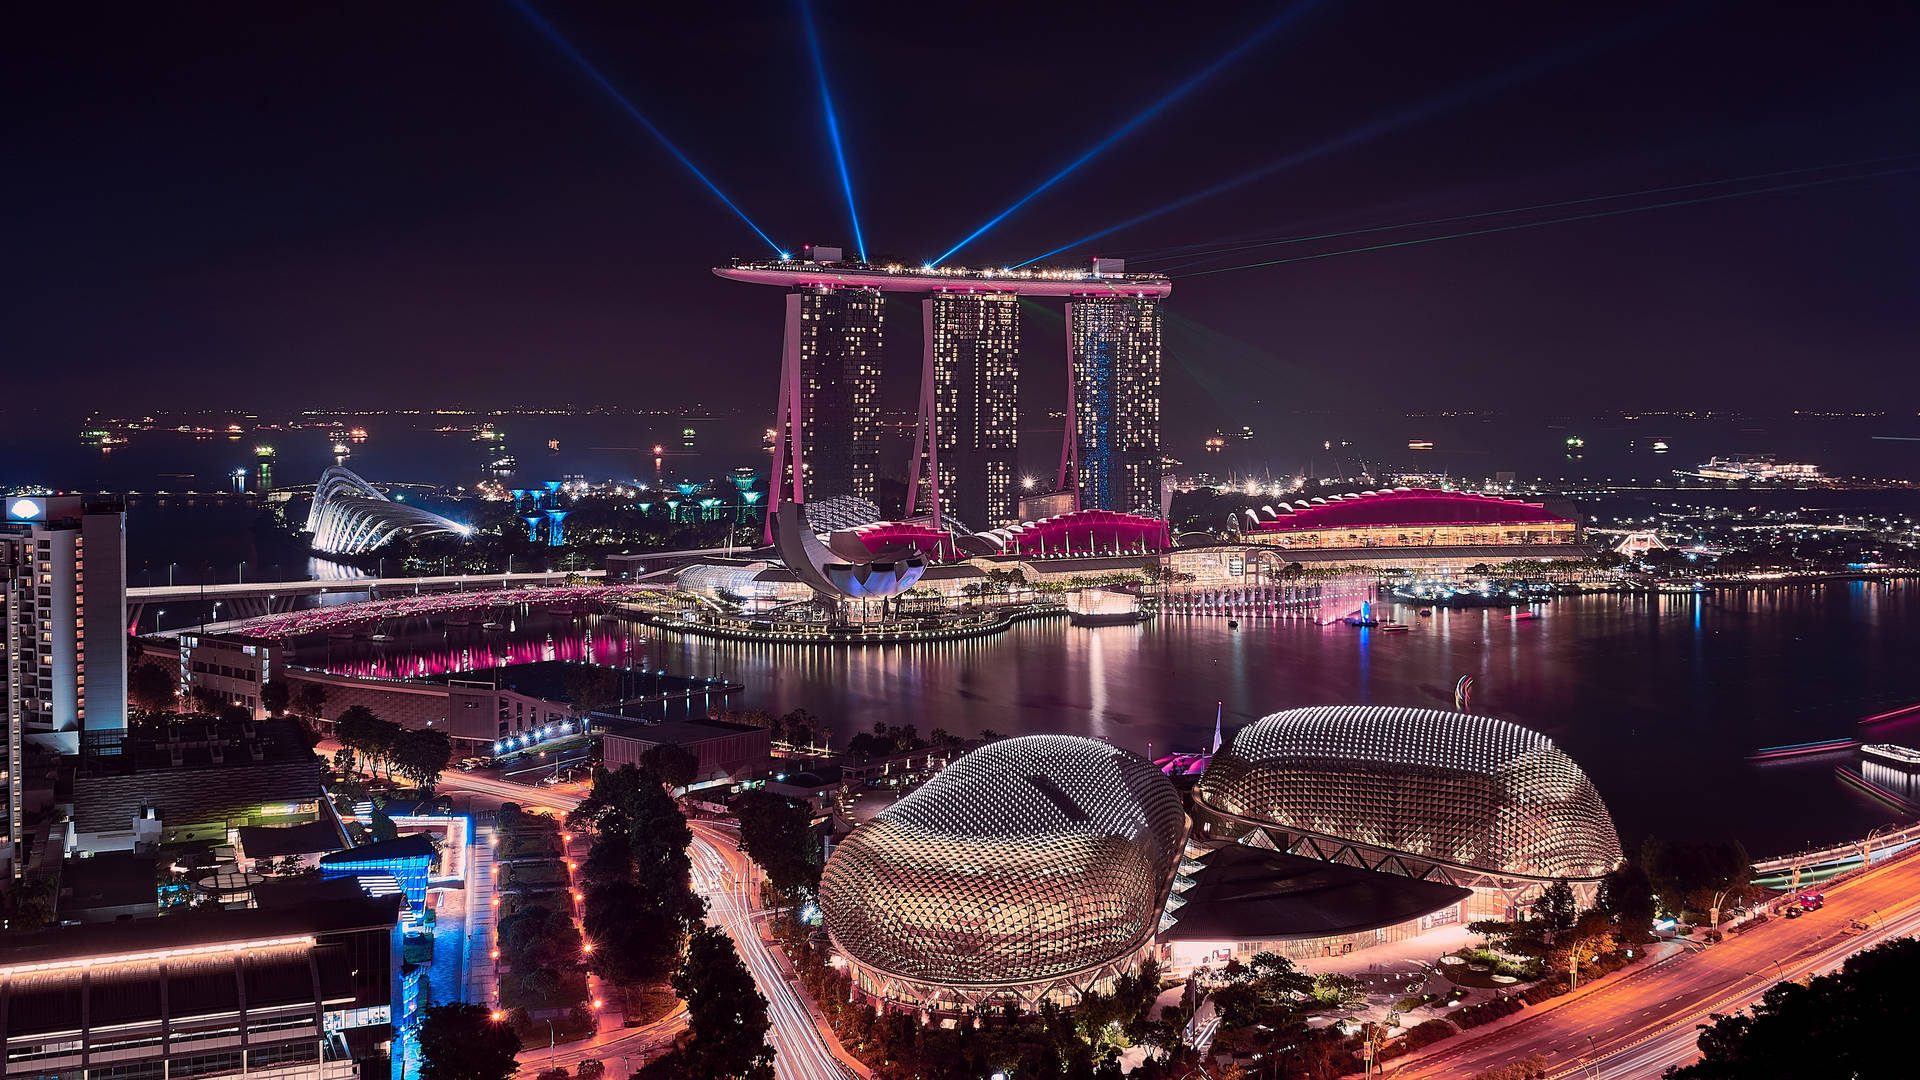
[405, 860]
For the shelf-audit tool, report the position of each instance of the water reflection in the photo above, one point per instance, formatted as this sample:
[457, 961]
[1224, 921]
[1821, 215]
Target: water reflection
[1659, 698]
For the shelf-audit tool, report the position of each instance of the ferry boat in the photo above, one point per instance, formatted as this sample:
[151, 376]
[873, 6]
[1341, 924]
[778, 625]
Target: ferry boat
[1394, 627]
[1900, 757]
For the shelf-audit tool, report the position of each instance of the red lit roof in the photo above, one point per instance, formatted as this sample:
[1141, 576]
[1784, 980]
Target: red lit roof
[883, 536]
[1405, 507]
[1088, 526]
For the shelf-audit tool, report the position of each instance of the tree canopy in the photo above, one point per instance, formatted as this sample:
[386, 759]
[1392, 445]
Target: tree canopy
[777, 833]
[152, 686]
[1689, 875]
[675, 765]
[464, 1042]
[726, 1015]
[1851, 1023]
[637, 899]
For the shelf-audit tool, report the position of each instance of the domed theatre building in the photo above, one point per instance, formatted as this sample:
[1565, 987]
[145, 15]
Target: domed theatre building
[1032, 869]
[1469, 801]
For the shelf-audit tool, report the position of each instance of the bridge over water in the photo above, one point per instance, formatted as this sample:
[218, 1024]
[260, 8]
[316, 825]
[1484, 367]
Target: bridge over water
[238, 601]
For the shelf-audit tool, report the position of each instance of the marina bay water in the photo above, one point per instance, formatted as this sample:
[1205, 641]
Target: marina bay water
[1661, 698]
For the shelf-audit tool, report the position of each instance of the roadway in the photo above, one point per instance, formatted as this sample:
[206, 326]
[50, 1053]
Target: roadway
[730, 882]
[1638, 1023]
[804, 1048]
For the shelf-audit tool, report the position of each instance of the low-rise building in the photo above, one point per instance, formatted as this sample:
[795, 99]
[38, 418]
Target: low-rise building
[308, 990]
[200, 780]
[229, 669]
[727, 753]
[405, 860]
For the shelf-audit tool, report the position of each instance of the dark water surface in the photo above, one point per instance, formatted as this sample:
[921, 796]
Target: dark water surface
[1660, 699]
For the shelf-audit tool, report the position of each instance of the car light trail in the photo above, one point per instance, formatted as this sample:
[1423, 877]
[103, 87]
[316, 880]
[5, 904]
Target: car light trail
[833, 126]
[1259, 36]
[801, 1052]
[566, 48]
[1463, 94]
[1560, 220]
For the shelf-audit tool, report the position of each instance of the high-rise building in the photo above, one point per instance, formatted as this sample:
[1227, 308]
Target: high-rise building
[63, 609]
[830, 390]
[65, 571]
[825, 436]
[1114, 417]
[970, 392]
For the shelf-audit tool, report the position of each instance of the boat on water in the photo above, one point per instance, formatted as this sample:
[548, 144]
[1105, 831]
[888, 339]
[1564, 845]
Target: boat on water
[1426, 613]
[1362, 620]
[1521, 616]
[1393, 627]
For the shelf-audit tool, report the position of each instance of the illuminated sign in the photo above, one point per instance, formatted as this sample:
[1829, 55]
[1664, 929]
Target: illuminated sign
[24, 509]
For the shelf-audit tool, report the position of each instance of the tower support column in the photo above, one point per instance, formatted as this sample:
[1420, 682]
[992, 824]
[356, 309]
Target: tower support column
[787, 458]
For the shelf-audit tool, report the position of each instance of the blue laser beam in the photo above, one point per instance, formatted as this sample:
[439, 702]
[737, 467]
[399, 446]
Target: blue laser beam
[566, 48]
[1460, 95]
[1226, 59]
[1197, 257]
[1823, 181]
[833, 126]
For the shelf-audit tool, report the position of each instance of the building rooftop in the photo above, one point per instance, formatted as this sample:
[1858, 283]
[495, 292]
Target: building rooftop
[683, 732]
[280, 841]
[1400, 507]
[202, 742]
[1253, 894]
[1025, 281]
[110, 879]
[319, 914]
[410, 846]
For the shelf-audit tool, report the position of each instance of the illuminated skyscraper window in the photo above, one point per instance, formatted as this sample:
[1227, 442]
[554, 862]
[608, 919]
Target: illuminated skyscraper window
[1115, 343]
[973, 342]
[839, 390]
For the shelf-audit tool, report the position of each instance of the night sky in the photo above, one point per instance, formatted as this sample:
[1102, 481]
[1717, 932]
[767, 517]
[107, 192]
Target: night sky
[423, 203]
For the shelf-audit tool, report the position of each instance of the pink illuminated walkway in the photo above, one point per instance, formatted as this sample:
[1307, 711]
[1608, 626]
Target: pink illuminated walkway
[291, 624]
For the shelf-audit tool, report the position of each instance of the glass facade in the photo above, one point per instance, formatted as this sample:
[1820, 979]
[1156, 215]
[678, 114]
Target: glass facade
[840, 390]
[1115, 343]
[1027, 869]
[975, 339]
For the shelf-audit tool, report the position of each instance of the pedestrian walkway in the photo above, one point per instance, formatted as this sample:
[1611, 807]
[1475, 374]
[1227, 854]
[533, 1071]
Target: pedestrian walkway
[447, 975]
[1423, 950]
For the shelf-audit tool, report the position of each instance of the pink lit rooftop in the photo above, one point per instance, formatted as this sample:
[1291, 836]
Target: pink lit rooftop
[1029, 281]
